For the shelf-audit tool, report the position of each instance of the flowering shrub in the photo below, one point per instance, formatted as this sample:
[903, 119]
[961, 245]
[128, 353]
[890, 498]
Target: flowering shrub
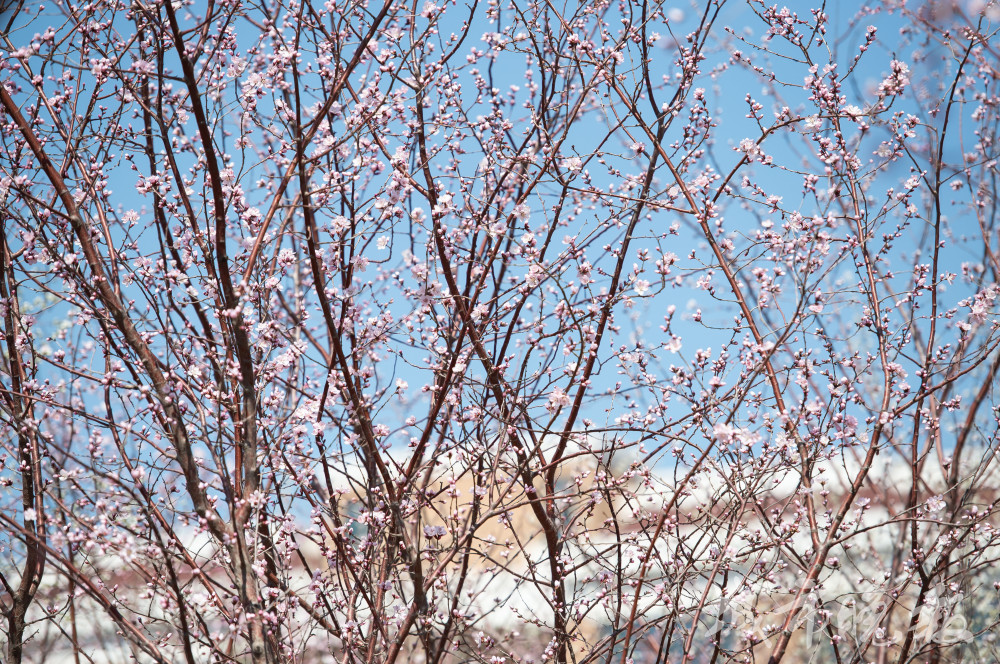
[499, 332]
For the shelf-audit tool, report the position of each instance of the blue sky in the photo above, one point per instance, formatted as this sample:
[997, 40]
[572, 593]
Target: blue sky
[726, 81]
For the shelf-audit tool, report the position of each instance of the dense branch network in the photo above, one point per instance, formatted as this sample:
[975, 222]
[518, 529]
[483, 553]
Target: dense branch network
[499, 331]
